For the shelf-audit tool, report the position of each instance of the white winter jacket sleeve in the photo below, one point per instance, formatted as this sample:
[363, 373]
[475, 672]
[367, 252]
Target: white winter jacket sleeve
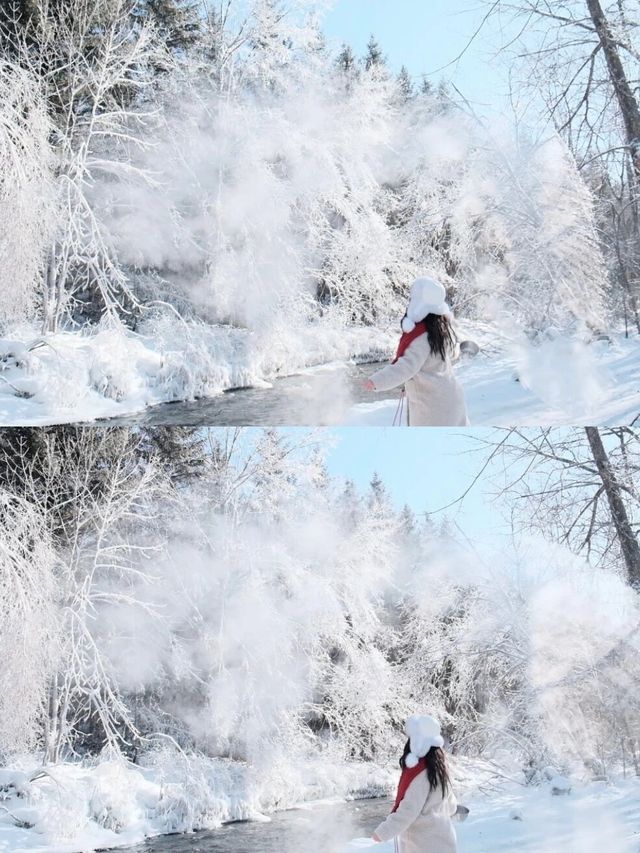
[405, 368]
[452, 802]
[408, 811]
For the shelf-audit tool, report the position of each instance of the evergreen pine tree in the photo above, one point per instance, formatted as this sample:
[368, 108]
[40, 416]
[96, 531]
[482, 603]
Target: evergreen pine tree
[405, 86]
[428, 528]
[275, 474]
[446, 529]
[319, 472]
[179, 450]
[378, 500]
[318, 46]
[426, 87]
[177, 21]
[349, 505]
[374, 58]
[270, 43]
[407, 520]
[346, 60]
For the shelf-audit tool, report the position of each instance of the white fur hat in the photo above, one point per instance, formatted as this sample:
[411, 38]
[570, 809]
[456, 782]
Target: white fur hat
[423, 733]
[428, 296]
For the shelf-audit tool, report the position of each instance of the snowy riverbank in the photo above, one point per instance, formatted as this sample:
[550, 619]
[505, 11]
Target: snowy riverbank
[107, 372]
[75, 808]
[111, 373]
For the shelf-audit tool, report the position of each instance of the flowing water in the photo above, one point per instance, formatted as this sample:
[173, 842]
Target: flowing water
[317, 397]
[314, 829]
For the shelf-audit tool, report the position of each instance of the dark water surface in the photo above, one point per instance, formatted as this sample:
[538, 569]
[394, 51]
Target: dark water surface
[316, 829]
[320, 397]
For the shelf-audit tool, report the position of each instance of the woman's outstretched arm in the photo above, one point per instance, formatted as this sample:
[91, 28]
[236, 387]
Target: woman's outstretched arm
[394, 375]
[407, 812]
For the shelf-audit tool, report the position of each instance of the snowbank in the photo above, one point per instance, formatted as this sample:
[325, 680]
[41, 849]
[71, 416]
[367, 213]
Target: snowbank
[563, 381]
[594, 817]
[107, 371]
[111, 803]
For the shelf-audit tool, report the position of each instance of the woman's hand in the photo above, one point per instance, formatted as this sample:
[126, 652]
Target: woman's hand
[376, 838]
[368, 385]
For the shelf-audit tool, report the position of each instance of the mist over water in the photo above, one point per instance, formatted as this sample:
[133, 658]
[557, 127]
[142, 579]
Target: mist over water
[318, 397]
[316, 829]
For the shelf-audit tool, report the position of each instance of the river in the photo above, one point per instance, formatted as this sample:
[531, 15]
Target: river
[317, 397]
[325, 828]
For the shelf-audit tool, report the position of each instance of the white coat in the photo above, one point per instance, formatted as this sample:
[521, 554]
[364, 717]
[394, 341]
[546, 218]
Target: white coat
[422, 821]
[434, 395]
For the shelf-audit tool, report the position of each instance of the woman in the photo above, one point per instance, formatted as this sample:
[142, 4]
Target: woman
[423, 361]
[421, 817]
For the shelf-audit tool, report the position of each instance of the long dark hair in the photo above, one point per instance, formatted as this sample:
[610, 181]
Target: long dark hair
[442, 338]
[437, 772]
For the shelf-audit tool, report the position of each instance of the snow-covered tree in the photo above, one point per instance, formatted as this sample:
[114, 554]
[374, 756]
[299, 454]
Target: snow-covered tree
[374, 57]
[597, 512]
[30, 622]
[260, 611]
[555, 271]
[95, 491]
[404, 84]
[88, 64]
[580, 63]
[27, 199]
[177, 21]
[346, 60]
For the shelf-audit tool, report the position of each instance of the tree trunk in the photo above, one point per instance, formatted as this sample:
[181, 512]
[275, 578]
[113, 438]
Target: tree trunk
[49, 293]
[52, 723]
[627, 538]
[624, 93]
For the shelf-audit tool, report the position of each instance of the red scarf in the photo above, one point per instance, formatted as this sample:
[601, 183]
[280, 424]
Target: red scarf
[409, 337]
[406, 778]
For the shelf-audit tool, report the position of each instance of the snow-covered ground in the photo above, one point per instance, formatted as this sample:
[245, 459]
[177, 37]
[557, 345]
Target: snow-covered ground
[560, 382]
[75, 808]
[592, 818]
[110, 373]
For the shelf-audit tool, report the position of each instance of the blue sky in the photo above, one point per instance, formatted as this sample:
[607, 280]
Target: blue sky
[426, 35]
[424, 468]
